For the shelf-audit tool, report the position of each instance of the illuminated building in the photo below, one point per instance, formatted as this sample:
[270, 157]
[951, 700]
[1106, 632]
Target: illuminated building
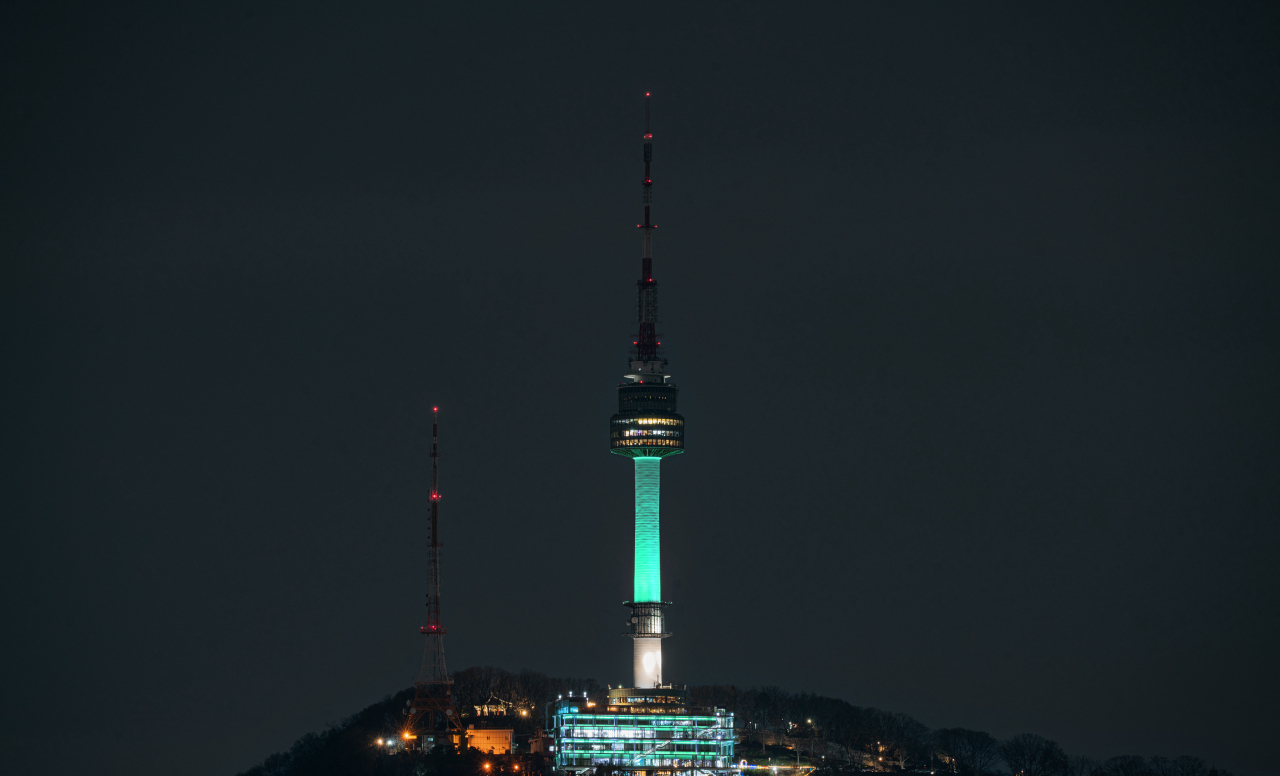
[490, 740]
[651, 727]
[653, 731]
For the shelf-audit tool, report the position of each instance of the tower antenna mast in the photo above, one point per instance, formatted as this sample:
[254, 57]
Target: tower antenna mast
[433, 707]
[646, 345]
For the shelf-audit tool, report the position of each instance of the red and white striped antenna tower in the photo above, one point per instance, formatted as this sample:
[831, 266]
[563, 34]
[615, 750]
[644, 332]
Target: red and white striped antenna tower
[433, 707]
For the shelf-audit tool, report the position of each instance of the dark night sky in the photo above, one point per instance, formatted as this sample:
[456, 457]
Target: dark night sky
[973, 310]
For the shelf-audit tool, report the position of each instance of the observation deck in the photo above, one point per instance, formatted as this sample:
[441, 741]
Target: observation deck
[647, 424]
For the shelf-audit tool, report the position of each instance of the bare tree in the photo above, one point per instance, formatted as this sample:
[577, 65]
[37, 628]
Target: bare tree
[771, 711]
[908, 739]
[1190, 766]
[1031, 755]
[1081, 766]
[1126, 765]
[974, 751]
[1179, 766]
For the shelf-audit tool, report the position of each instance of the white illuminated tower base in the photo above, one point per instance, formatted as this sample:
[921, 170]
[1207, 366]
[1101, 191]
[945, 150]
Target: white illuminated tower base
[647, 668]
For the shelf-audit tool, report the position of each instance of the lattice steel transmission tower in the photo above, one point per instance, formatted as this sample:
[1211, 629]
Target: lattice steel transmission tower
[433, 707]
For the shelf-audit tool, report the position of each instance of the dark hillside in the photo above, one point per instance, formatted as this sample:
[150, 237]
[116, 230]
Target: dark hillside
[775, 726]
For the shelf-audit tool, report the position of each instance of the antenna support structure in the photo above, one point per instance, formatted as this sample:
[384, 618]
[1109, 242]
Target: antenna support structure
[433, 707]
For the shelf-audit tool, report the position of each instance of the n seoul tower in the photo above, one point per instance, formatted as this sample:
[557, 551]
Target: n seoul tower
[647, 429]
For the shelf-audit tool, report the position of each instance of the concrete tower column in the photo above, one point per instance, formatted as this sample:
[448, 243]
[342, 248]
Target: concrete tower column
[647, 662]
[648, 575]
[647, 428]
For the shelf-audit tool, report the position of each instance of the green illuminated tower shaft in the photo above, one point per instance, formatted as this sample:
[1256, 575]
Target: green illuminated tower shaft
[648, 578]
[647, 428]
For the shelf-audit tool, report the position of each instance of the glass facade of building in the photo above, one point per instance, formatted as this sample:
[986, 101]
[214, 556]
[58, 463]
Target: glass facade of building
[692, 740]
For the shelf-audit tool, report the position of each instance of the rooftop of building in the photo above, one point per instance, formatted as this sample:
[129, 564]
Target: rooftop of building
[638, 702]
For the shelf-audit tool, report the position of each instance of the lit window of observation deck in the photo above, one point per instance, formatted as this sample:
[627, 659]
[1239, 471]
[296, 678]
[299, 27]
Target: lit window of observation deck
[649, 422]
[647, 443]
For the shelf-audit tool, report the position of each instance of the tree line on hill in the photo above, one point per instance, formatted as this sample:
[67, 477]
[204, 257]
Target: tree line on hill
[852, 738]
[870, 738]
